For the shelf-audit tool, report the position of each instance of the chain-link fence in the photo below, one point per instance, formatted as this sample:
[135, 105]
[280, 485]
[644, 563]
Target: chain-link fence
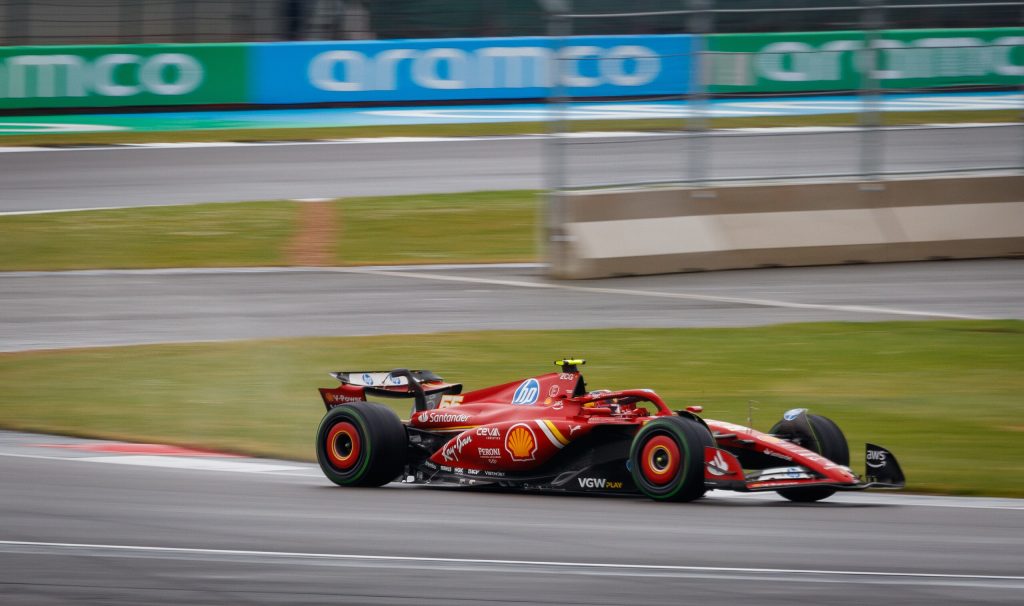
[47, 22]
[837, 100]
[37, 22]
[722, 60]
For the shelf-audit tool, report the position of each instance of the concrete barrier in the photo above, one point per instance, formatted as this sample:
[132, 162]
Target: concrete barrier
[648, 231]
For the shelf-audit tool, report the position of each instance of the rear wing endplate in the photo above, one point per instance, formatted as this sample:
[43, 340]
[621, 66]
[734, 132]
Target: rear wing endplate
[383, 378]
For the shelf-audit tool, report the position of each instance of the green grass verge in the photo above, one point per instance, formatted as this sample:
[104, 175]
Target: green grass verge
[944, 396]
[469, 227]
[493, 128]
[203, 235]
[479, 227]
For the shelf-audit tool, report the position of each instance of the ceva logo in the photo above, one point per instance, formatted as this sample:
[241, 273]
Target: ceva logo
[111, 75]
[489, 67]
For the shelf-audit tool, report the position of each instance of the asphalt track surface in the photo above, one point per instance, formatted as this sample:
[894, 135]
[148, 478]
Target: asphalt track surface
[183, 174]
[79, 524]
[76, 526]
[82, 309]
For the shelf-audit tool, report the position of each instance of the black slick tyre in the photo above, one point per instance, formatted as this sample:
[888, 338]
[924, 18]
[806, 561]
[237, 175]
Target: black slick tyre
[823, 437]
[361, 444]
[666, 458]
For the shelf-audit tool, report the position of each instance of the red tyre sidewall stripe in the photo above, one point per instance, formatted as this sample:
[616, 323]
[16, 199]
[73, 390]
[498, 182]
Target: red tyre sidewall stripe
[656, 445]
[337, 460]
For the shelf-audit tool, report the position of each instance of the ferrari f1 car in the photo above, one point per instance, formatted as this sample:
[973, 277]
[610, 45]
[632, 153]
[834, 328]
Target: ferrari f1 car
[550, 433]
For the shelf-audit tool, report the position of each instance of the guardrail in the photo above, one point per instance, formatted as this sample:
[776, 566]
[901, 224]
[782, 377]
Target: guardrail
[632, 232]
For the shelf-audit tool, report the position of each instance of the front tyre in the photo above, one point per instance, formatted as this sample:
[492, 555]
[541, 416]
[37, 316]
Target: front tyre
[822, 436]
[667, 458]
[361, 444]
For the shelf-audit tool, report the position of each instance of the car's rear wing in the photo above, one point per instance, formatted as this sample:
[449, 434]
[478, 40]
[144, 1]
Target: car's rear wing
[425, 387]
[383, 378]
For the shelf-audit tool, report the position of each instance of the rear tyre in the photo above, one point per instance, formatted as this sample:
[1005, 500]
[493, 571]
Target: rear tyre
[667, 458]
[361, 444]
[824, 438]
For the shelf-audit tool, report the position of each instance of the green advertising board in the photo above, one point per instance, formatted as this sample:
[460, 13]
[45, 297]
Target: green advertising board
[123, 75]
[827, 61]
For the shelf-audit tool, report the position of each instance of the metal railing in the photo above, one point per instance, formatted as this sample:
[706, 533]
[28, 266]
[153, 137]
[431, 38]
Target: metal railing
[698, 150]
[43, 22]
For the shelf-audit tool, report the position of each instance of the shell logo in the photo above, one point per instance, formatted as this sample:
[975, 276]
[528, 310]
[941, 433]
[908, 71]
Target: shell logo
[521, 443]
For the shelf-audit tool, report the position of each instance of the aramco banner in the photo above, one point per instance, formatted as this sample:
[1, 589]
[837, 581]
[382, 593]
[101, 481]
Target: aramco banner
[470, 68]
[826, 61]
[123, 75]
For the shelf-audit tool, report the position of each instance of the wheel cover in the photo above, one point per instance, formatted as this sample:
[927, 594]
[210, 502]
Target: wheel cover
[660, 460]
[343, 446]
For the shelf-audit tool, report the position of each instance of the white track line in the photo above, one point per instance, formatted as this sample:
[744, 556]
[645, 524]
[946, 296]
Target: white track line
[399, 271]
[131, 147]
[272, 467]
[165, 462]
[669, 295]
[12, 213]
[584, 568]
[216, 271]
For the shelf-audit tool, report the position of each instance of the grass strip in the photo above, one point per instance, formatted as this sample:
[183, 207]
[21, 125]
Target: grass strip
[467, 227]
[202, 235]
[944, 396]
[494, 128]
[479, 227]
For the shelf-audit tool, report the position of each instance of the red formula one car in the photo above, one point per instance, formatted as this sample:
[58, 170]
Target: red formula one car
[550, 433]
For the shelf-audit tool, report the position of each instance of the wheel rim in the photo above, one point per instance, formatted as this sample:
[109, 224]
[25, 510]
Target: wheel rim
[659, 460]
[343, 446]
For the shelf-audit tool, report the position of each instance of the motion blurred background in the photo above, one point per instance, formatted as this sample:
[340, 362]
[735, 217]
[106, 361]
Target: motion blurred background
[206, 205]
[680, 136]
[138, 21]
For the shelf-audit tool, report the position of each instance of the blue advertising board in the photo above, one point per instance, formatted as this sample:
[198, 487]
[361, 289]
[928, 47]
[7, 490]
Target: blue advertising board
[468, 68]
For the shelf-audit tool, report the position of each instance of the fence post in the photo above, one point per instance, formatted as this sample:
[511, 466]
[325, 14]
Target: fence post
[185, 20]
[130, 21]
[550, 238]
[696, 117]
[19, 26]
[1021, 126]
[243, 19]
[871, 145]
